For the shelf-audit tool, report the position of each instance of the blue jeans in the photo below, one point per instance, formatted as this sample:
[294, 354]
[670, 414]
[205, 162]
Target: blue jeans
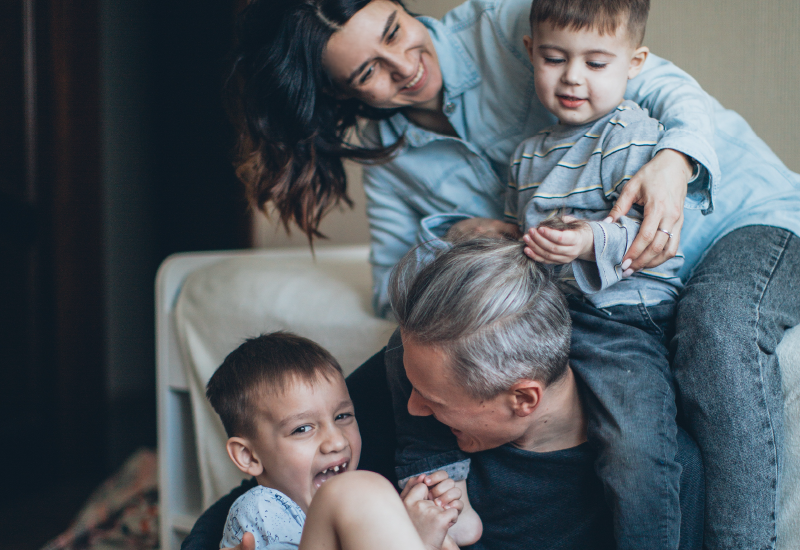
[733, 313]
[621, 360]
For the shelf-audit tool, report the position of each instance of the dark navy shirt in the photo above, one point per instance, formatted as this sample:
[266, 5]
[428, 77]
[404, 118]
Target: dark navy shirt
[539, 500]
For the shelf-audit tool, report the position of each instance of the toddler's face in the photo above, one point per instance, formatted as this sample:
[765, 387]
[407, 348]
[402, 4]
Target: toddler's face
[581, 75]
[306, 435]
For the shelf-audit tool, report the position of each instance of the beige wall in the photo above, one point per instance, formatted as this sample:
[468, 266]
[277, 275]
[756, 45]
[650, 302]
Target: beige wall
[743, 52]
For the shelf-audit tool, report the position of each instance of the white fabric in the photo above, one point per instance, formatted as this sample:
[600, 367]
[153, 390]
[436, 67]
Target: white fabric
[326, 299]
[789, 498]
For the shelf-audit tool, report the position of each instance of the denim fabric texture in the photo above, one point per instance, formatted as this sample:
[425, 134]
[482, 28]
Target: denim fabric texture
[620, 358]
[734, 311]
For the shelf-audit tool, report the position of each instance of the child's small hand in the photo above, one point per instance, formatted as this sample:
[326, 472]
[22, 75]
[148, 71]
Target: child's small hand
[441, 489]
[548, 245]
[431, 521]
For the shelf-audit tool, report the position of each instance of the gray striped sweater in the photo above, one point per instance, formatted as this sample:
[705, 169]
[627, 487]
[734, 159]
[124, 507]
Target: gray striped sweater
[580, 171]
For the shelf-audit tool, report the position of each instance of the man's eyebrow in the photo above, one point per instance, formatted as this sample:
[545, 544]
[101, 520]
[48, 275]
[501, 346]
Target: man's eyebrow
[425, 397]
[389, 22]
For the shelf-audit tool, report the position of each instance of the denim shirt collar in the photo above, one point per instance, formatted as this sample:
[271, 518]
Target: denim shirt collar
[459, 74]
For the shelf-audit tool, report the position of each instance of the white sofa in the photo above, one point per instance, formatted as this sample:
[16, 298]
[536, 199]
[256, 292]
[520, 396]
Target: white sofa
[207, 303]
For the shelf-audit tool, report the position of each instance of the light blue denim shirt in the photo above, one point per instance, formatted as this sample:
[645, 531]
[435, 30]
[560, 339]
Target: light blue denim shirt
[489, 98]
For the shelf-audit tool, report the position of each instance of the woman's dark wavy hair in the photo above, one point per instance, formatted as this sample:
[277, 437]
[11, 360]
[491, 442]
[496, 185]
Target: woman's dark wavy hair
[293, 132]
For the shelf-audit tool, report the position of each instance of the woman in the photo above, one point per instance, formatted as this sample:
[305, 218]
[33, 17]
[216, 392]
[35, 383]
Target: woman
[445, 104]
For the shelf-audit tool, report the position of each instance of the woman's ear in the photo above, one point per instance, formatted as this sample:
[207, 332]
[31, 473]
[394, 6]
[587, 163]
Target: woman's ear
[526, 396]
[241, 452]
[637, 61]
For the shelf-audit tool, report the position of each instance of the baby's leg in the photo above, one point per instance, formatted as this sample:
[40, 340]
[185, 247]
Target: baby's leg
[620, 359]
[359, 511]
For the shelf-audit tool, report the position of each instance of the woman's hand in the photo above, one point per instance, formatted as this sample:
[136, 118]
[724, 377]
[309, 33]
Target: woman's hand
[659, 186]
[473, 228]
[248, 543]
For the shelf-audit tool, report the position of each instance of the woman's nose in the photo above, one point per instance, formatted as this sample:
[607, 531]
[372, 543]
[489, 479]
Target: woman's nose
[417, 405]
[404, 63]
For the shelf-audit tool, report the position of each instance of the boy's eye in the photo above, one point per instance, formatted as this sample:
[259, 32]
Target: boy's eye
[596, 64]
[393, 33]
[344, 416]
[553, 60]
[301, 430]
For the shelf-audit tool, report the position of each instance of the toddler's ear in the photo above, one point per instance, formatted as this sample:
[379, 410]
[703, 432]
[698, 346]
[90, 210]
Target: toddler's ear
[637, 61]
[528, 41]
[241, 452]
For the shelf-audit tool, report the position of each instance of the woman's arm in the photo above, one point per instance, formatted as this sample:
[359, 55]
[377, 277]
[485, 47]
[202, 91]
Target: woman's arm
[687, 112]
[393, 228]
[207, 531]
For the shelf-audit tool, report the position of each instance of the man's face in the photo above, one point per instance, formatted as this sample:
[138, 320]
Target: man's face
[581, 75]
[478, 424]
[306, 435]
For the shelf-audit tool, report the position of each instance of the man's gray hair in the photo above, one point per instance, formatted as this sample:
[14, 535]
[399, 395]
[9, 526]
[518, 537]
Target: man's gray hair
[499, 316]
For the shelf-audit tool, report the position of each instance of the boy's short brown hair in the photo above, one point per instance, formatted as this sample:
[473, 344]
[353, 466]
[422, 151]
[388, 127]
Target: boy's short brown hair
[603, 15]
[266, 364]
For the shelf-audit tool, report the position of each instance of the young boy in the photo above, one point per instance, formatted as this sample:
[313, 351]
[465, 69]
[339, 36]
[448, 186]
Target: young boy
[285, 406]
[563, 183]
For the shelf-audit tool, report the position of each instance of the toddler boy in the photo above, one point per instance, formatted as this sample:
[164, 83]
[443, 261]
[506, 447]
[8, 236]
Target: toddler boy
[564, 182]
[285, 407]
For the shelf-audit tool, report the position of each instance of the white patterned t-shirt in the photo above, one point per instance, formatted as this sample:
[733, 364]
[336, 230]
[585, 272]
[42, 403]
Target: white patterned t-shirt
[274, 519]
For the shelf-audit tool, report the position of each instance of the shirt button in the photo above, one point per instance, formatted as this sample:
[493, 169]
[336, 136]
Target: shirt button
[450, 108]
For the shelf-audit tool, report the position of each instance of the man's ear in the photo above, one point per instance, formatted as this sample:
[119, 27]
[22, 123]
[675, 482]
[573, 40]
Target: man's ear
[637, 61]
[526, 396]
[528, 41]
[241, 452]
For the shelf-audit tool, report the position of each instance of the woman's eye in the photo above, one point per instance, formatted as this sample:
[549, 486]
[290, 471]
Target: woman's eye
[367, 74]
[393, 33]
[302, 430]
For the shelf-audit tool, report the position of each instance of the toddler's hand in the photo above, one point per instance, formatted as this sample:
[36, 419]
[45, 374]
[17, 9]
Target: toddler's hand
[441, 489]
[549, 245]
[431, 521]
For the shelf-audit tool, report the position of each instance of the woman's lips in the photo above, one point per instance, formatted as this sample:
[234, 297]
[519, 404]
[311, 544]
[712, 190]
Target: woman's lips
[570, 102]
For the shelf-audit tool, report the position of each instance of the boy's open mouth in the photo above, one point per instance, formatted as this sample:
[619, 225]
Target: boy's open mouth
[328, 473]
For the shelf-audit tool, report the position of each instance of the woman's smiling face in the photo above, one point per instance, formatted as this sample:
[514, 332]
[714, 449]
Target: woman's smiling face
[385, 57]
